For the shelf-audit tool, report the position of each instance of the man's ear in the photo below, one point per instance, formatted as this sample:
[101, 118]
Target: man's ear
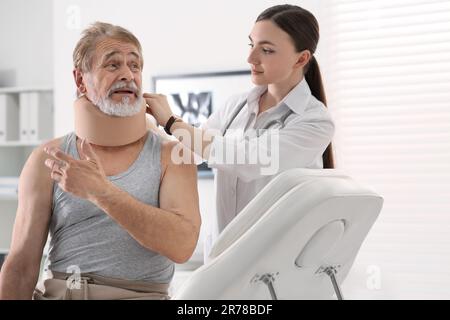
[78, 77]
[303, 59]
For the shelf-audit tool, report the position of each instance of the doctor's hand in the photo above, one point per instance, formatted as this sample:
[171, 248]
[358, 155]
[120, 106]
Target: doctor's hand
[84, 178]
[158, 107]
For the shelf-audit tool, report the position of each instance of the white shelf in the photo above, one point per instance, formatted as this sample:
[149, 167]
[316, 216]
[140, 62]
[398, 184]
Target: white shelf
[21, 143]
[25, 89]
[8, 197]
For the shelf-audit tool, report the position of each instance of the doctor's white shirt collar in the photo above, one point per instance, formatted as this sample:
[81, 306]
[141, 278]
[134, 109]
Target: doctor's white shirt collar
[296, 100]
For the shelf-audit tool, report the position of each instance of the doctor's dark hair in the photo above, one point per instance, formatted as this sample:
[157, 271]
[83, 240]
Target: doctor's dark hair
[303, 29]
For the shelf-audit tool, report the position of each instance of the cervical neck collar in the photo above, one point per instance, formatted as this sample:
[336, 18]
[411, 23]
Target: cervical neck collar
[105, 130]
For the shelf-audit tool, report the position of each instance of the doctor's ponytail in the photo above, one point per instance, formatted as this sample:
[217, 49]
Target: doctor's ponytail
[303, 28]
[314, 79]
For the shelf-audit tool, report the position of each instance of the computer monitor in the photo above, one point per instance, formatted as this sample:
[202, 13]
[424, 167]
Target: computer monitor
[194, 97]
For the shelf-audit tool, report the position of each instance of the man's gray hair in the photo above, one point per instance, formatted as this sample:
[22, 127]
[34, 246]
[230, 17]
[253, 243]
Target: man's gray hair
[85, 48]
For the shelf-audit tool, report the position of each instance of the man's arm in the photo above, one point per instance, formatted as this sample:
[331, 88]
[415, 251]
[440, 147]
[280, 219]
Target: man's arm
[20, 271]
[171, 230]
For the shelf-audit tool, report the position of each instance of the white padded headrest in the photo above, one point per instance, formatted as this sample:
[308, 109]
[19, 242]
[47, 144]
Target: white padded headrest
[303, 220]
[276, 189]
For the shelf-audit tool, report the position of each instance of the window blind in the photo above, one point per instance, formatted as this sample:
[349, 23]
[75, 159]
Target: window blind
[386, 66]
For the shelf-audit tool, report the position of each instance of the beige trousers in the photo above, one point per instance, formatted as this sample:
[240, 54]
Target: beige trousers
[63, 286]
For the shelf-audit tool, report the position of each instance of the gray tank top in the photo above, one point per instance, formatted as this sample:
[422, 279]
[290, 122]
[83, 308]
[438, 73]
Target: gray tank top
[84, 236]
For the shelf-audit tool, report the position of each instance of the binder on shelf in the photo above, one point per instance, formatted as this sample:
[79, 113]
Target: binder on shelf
[8, 181]
[9, 186]
[36, 116]
[9, 118]
[8, 192]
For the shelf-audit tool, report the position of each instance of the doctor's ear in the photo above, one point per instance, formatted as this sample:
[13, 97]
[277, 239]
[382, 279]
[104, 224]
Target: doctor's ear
[78, 77]
[303, 59]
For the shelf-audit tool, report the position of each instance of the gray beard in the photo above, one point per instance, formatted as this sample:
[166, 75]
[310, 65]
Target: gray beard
[119, 109]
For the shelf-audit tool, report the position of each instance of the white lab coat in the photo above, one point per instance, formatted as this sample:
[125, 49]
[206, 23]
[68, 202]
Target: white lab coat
[306, 134]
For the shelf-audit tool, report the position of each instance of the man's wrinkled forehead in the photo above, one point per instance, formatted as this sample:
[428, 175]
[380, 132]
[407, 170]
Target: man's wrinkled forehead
[109, 48]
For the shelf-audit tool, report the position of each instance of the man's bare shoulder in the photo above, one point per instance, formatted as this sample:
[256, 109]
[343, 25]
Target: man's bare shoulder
[35, 171]
[39, 153]
[167, 146]
[35, 184]
[53, 143]
[174, 154]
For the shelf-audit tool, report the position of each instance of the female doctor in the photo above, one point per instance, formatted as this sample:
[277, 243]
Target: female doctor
[288, 96]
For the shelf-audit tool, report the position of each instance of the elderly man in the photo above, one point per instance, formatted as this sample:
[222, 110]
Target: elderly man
[118, 216]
